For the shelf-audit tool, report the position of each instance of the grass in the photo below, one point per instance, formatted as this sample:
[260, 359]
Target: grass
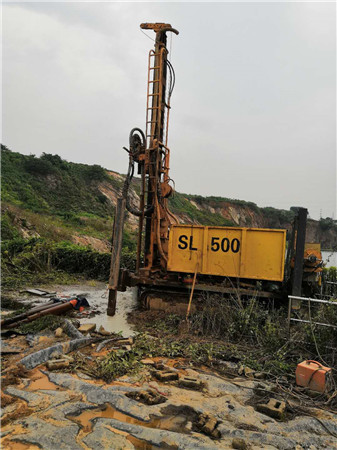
[48, 322]
[250, 333]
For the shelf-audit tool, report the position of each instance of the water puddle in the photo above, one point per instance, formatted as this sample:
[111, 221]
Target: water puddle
[170, 423]
[97, 297]
[40, 381]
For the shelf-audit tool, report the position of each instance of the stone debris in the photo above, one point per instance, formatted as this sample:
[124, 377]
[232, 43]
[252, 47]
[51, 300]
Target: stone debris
[70, 329]
[246, 371]
[42, 356]
[57, 364]
[148, 397]
[58, 332]
[166, 375]
[103, 331]
[127, 348]
[125, 341]
[190, 383]
[260, 375]
[159, 365]
[274, 408]
[207, 424]
[147, 362]
[239, 444]
[87, 328]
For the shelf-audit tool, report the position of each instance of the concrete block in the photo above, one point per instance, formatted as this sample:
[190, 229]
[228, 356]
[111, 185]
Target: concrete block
[147, 362]
[274, 408]
[87, 328]
[166, 375]
[191, 383]
[207, 424]
[149, 397]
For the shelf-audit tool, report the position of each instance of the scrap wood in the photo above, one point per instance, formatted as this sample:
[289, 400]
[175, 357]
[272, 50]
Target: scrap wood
[39, 292]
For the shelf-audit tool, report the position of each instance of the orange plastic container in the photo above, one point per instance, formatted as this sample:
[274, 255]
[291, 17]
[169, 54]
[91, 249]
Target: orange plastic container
[313, 375]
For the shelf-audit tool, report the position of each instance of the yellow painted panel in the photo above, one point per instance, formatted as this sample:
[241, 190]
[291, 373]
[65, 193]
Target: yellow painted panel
[255, 253]
[264, 257]
[185, 248]
[223, 251]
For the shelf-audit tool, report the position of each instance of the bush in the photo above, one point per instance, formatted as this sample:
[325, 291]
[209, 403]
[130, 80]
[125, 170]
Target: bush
[40, 256]
[326, 224]
[95, 172]
[8, 230]
[38, 166]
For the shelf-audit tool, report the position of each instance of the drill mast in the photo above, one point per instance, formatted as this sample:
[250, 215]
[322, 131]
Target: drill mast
[154, 161]
[151, 153]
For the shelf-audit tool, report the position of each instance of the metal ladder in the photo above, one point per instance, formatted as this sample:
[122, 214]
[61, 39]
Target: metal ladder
[154, 95]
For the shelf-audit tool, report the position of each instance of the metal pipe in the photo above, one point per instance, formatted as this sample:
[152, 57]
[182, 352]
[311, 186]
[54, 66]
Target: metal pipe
[10, 320]
[64, 307]
[316, 300]
[315, 323]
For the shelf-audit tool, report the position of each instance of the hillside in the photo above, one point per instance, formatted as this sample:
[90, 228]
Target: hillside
[62, 201]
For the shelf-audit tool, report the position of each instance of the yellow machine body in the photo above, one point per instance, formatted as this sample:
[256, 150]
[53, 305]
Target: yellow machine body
[254, 253]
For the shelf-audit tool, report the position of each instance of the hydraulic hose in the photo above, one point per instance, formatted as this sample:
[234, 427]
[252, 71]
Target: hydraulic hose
[136, 143]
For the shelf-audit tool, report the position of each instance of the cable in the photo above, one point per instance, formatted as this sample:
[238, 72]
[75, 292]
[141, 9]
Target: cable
[147, 35]
[136, 142]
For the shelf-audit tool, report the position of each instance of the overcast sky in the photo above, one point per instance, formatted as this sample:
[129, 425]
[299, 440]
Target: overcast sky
[253, 112]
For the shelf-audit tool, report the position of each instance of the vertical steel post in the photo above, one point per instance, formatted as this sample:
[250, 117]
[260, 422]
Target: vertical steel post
[116, 254]
[299, 256]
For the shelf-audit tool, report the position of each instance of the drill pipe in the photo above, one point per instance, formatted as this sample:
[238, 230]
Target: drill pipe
[59, 309]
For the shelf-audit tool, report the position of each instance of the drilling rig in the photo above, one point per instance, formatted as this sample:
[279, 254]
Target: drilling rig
[174, 260]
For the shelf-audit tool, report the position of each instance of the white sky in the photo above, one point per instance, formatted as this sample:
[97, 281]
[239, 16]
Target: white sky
[253, 112]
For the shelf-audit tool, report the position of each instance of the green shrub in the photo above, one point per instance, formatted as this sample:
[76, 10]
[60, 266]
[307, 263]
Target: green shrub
[327, 223]
[38, 166]
[8, 230]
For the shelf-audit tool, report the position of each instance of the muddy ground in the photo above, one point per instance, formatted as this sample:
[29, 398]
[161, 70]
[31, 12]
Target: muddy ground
[169, 403]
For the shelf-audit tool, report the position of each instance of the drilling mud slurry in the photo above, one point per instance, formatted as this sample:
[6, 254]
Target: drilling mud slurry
[170, 423]
[40, 381]
[97, 297]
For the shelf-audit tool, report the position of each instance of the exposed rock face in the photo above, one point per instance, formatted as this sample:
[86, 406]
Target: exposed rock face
[327, 238]
[100, 245]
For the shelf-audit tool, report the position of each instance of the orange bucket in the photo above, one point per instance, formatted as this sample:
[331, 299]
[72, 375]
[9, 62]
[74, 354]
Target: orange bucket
[313, 375]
